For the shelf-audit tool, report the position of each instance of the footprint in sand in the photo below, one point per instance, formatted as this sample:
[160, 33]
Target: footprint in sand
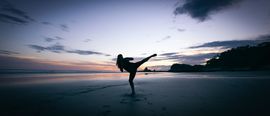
[106, 110]
[137, 100]
[105, 113]
[123, 101]
[164, 108]
[106, 106]
[145, 99]
[127, 98]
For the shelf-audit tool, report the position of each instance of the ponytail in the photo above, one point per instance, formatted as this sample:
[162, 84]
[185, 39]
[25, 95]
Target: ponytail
[119, 62]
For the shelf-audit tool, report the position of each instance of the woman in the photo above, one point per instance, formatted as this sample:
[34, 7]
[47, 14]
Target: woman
[123, 63]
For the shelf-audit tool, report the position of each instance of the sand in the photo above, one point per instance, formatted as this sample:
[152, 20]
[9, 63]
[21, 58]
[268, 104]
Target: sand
[158, 94]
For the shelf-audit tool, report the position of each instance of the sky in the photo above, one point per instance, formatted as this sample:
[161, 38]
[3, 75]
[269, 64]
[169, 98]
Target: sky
[89, 34]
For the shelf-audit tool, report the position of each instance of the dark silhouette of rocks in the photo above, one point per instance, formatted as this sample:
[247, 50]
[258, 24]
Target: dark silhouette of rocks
[147, 70]
[186, 68]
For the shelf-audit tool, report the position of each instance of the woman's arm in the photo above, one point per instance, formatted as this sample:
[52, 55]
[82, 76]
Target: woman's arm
[129, 58]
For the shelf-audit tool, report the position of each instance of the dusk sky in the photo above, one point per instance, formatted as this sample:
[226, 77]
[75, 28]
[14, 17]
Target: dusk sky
[89, 34]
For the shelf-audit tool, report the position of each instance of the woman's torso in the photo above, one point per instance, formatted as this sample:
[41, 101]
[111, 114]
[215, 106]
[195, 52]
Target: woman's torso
[129, 66]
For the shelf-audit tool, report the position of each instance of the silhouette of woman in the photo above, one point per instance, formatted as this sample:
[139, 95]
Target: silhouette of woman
[123, 63]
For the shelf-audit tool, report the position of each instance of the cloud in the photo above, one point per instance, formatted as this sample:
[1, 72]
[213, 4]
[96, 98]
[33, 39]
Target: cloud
[187, 59]
[37, 47]
[169, 54]
[163, 39]
[86, 52]
[6, 52]
[10, 14]
[160, 67]
[46, 23]
[57, 48]
[196, 59]
[11, 19]
[202, 9]
[56, 38]
[11, 62]
[47, 39]
[64, 27]
[180, 30]
[87, 40]
[234, 43]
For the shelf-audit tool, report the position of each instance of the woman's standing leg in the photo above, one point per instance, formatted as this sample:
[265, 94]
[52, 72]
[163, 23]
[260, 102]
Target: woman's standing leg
[131, 77]
[134, 70]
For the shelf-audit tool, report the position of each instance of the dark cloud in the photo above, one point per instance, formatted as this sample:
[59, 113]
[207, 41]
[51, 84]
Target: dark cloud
[177, 29]
[10, 14]
[168, 54]
[160, 59]
[11, 19]
[59, 38]
[37, 47]
[196, 59]
[64, 27]
[46, 23]
[6, 52]
[47, 39]
[187, 59]
[202, 9]
[234, 43]
[86, 52]
[57, 48]
[56, 38]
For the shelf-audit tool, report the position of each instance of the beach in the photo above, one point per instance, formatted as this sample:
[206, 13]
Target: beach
[157, 94]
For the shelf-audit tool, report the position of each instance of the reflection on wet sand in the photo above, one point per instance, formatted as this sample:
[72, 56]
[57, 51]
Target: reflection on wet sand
[60, 78]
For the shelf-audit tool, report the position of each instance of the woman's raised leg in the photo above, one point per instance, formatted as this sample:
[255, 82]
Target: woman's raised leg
[145, 60]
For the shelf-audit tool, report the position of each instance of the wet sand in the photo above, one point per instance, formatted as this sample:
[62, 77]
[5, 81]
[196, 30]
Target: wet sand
[158, 94]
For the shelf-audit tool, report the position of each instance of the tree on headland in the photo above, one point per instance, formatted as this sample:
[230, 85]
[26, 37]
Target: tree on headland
[240, 58]
[244, 57]
[185, 68]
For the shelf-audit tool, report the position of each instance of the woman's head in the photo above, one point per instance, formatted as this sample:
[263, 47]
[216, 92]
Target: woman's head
[119, 62]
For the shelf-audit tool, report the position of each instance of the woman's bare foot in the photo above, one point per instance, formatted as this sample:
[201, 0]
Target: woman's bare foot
[133, 94]
[153, 55]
